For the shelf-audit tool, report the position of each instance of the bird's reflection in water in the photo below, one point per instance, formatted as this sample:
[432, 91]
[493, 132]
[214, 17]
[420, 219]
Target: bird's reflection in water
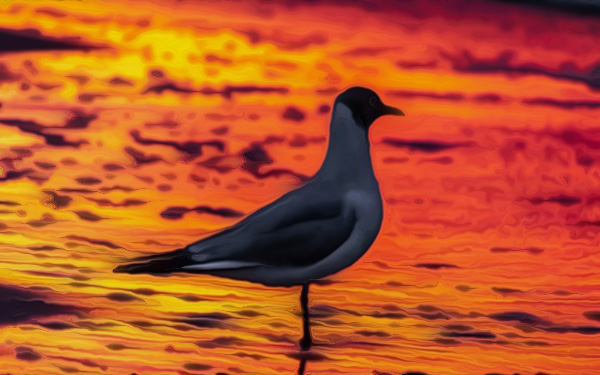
[304, 358]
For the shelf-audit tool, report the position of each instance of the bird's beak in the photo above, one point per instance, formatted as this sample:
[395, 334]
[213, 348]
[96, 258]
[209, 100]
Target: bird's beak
[389, 110]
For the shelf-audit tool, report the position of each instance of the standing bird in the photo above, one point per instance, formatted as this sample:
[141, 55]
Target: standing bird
[309, 233]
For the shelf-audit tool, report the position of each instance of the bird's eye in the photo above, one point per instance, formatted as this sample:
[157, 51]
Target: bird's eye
[373, 101]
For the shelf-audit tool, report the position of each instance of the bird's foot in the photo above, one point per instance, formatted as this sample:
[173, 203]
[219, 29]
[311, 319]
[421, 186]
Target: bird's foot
[305, 343]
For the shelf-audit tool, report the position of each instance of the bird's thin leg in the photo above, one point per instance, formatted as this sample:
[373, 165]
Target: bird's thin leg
[306, 340]
[301, 366]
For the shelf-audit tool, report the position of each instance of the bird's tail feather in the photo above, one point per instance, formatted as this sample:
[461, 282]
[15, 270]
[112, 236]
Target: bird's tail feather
[158, 263]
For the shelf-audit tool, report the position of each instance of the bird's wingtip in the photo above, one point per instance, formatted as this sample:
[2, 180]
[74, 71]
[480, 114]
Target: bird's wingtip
[127, 268]
[156, 264]
[120, 269]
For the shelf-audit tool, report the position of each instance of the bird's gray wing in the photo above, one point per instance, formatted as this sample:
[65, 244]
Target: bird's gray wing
[300, 228]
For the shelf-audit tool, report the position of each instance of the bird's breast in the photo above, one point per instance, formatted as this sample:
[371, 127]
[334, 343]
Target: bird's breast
[365, 199]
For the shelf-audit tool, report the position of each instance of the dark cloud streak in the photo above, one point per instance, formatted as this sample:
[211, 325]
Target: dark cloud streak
[505, 63]
[20, 305]
[30, 40]
[226, 92]
[33, 127]
[422, 145]
[177, 212]
[192, 149]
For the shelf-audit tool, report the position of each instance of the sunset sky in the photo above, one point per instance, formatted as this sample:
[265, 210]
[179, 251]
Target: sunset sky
[134, 127]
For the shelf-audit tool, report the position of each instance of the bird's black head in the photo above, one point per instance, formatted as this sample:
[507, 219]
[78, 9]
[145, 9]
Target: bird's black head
[366, 105]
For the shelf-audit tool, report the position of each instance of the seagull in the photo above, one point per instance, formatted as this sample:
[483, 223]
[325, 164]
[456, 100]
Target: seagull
[321, 228]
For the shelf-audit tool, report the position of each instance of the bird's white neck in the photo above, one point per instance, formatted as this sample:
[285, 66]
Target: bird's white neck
[348, 156]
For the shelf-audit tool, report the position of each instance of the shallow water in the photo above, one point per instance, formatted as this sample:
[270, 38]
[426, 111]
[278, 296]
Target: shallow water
[191, 116]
